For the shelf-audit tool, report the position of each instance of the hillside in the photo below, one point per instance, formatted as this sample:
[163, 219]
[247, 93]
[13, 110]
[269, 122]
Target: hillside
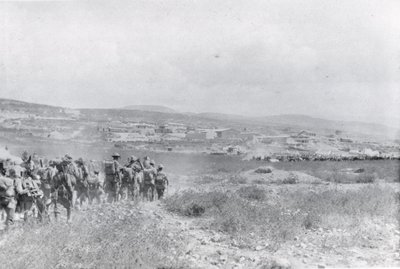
[162, 109]
[159, 114]
[20, 107]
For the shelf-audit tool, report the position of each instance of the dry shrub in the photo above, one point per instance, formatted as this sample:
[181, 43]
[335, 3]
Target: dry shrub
[189, 202]
[237, 179]
[291, 179]
[252, 193]
[110, 238]
[263, 170]
[366, 178]
[259, 181]
[295, 211]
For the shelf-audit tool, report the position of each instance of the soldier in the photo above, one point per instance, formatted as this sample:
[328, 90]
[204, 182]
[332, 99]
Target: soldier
[113, 178]
[149, 174]
[128, 178]
[137, 168]
[7, 198]
[82, 185]
[152, 163]
[28, 193]
[69, 167]
[96, 189]
[146, 162]
[161, 181]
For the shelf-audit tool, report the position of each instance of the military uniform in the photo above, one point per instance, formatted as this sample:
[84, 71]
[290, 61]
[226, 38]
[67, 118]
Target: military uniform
[135, 186]
[113, 180]
[161, 183]
[82, 184]
[28, 191]
[149, 175]
[7, 198]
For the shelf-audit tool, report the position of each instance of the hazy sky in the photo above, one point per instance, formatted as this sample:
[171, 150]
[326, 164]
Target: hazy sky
[325, 58]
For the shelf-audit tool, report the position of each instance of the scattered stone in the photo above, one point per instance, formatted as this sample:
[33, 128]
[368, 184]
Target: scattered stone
[258, 248]
[321, 266]
[223, 258]
[216, 238]
[234, 243]
[296, 238]
[242, 259]
[196, 256]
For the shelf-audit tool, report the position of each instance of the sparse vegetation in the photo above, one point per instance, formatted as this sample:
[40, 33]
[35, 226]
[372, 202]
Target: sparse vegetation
[252, 193]
[110, 238]
[294, 212]
[263, 170]
[291, 179]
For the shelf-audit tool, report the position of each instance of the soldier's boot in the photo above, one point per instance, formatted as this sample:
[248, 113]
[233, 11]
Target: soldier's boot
[69, 215]
[26, 216]
[56, 211]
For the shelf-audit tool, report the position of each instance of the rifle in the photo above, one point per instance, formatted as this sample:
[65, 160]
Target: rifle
[141, 165]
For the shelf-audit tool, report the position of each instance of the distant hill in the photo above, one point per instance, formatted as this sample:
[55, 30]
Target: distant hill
[162, 109]
[161, 114]
[372, 130]
[32, 108]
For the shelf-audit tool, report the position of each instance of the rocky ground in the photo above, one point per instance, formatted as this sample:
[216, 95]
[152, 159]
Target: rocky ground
[189, 242]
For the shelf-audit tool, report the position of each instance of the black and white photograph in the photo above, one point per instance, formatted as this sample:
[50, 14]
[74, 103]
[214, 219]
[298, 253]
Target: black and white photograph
[200, 134]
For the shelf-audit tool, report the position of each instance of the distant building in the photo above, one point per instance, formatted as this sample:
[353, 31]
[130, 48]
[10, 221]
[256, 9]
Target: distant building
[278, 139]
[173, 137]
[306, 133]
[196, 135]
[249, 135]
[177, 127]
[128, 137]
[163, 129]
[227, 133]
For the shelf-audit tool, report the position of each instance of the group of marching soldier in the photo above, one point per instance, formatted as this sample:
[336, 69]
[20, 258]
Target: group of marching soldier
[64, 182]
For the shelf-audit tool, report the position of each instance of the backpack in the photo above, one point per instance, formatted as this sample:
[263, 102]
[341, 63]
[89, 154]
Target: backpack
[148, 176]
[7, 188]
[109, 168]
[160, 179]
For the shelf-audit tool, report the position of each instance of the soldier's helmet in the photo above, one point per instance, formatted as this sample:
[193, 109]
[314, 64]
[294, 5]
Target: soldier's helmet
[79, 161]
[134, 158]
[147, 158]
[152, 162]
[116, 155]
[67, 158]
[160, 167]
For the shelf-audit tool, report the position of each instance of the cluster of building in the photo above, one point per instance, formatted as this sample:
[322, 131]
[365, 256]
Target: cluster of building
[151, 132]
